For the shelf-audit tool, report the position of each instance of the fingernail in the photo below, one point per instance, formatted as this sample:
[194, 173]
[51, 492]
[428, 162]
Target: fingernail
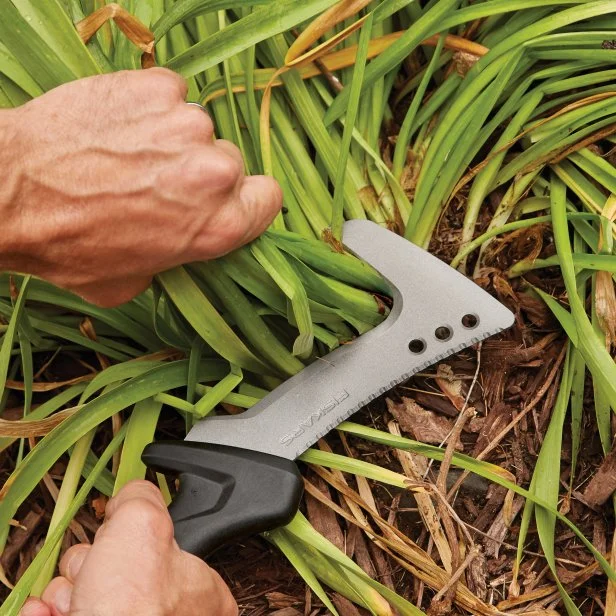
[62, 599]
[74, 564]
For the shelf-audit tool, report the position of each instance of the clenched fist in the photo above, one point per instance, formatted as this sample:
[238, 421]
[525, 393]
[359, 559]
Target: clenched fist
[111, 179]
[134, 568]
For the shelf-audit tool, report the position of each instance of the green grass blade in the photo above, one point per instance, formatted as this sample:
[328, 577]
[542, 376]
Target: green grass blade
[547, 478]
[351, 115]
[30, 50]
[276, 265]
[429, 23]
[406, 130]
[70, 481]
[51, 22]
[140, 432]
[11, 333]
[199, 312]
[219, 392]
[185, 9]
[16, 73]
[247, 318]
[283, 542]
[239, 36]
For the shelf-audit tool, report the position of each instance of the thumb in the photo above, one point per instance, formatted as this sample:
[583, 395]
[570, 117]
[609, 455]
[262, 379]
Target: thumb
[130, 556]
[35, 607]
[261, 199]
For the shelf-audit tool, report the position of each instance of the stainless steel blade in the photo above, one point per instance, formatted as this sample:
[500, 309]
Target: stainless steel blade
[431, 301]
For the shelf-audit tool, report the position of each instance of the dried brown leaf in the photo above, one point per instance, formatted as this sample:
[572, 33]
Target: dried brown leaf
[450, 385]
[463, 62]
[323, 24]
[605, 294]
[24, 427]
[605, 305]
[132, 28]
[42, 387]
[414, 467]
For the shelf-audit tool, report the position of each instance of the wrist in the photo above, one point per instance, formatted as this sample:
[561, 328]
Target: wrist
[12, 257]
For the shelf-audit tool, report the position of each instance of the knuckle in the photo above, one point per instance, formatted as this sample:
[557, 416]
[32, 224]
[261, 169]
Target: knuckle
[140, 486]
[195, 122]
[226, 172]
[166, 82]
[150, 519]
[212, 171]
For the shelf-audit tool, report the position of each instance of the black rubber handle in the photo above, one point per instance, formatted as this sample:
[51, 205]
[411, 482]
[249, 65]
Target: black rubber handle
[225, 492]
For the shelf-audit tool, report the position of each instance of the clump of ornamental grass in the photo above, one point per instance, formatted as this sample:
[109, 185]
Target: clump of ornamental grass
[509, 98]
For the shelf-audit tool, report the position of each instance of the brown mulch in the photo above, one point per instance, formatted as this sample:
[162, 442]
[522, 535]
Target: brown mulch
[518, 369]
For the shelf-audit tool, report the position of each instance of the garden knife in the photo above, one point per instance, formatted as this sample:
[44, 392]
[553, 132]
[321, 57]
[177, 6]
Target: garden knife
[237, 473]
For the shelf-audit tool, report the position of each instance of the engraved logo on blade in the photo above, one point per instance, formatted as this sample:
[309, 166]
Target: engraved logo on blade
[313, 418]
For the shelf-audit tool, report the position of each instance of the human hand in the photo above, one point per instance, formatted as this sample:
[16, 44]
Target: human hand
[111, 179]
[134, 568]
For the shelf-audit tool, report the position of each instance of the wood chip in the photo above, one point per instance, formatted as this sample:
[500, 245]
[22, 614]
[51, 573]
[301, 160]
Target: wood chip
[599, 536]
[434, 402]
[603, 483]
[537, 311]
[360, 550]
[425, 426]
[345, 607]
[496, 498]
[19, 537]
[322, 517]
[500, 527]
[476, 576]
[280, 600]
[98, 504]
